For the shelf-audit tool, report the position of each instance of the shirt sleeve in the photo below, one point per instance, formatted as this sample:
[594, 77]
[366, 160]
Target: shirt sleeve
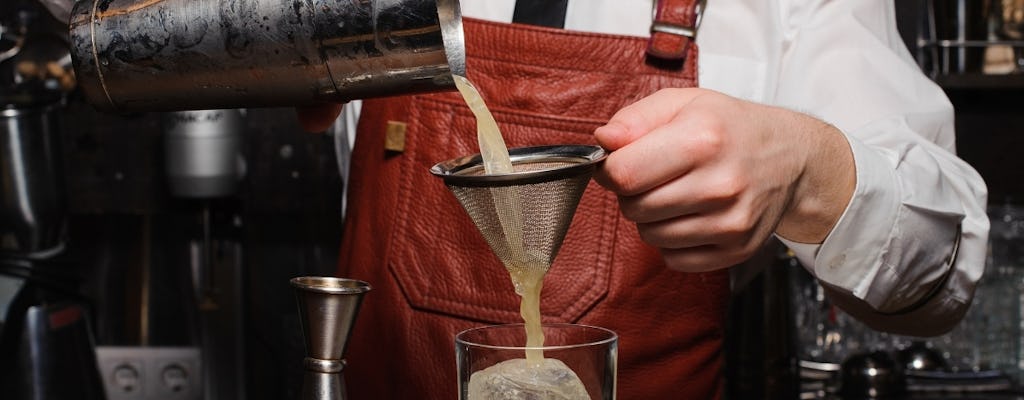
[910, 247]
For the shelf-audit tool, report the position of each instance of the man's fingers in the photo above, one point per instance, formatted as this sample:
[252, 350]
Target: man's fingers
[653, 159]
[701, 258]
[645, 115]
[318, 118]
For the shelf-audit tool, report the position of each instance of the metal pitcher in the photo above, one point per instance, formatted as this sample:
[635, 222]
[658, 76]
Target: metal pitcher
[32, 202]
[170, 55]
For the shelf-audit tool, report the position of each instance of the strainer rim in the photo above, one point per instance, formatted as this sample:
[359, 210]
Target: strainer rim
[588, 155]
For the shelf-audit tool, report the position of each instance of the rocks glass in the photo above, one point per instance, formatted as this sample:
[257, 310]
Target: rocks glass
[579, 363]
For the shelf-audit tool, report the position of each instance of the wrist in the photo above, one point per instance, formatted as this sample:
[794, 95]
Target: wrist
[824, 187]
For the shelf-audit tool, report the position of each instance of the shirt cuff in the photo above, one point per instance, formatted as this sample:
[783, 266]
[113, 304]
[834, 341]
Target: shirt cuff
[850, 257]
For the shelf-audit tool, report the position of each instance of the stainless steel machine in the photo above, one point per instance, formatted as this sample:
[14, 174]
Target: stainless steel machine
[46, 344]
[202, 61]
[46, 341]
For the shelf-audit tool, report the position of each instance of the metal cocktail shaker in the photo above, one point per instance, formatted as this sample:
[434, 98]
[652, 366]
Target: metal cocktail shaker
[167, 55]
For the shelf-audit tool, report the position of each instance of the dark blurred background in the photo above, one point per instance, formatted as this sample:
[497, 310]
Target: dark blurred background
[158, 270]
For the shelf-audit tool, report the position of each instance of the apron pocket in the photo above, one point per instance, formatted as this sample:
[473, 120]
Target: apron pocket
[440, 259]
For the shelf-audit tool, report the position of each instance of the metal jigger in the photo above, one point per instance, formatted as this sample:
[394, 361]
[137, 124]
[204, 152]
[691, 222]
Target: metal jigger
[327, 309]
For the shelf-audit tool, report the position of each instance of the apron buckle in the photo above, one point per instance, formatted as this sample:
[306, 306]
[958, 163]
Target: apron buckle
[674, 27]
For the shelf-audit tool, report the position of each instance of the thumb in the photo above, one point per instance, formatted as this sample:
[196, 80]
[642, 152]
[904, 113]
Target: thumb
[643, 116]
[317, 118]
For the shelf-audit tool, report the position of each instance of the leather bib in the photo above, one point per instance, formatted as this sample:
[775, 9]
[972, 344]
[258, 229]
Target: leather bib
[434, 275]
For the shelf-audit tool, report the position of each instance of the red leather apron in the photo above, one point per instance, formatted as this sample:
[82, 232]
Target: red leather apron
[433, 274]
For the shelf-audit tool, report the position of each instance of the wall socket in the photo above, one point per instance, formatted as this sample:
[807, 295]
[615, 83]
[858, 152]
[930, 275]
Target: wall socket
[150, 373]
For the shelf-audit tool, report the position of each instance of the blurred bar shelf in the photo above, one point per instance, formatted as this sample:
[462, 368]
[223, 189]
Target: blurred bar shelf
[931, 54]
[1013, 81]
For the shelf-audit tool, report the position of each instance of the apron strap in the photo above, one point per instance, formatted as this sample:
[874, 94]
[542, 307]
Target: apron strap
[674, 28]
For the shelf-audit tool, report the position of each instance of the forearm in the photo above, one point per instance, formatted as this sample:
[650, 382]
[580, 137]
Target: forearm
[891, 253]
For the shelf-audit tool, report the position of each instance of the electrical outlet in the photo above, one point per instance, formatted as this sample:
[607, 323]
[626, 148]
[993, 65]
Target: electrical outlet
[150, 373]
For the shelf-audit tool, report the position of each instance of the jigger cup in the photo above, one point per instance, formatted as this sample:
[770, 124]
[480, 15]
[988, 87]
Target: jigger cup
[327, 309]
[590, 352]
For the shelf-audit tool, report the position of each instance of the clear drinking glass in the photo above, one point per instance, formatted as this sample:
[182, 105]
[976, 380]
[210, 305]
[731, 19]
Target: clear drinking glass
[492, 366]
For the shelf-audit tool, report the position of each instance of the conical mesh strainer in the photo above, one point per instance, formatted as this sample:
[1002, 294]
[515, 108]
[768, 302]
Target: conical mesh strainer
[536, 202]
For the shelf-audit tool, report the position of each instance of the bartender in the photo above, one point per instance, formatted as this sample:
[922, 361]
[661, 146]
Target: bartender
[729, 123]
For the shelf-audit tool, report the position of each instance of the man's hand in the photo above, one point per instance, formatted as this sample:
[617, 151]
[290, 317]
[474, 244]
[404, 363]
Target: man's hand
[707, 178]
[317, 118]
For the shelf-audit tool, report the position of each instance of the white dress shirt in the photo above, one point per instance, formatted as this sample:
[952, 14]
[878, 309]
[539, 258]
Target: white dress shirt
[844, 62]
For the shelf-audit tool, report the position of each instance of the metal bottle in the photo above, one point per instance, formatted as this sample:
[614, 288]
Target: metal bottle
[169, 55]
[32, 202]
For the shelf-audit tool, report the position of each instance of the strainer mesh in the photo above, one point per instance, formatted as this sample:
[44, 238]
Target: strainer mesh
[547, 209]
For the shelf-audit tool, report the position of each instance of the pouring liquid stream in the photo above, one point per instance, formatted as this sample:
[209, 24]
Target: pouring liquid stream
[526, 271]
